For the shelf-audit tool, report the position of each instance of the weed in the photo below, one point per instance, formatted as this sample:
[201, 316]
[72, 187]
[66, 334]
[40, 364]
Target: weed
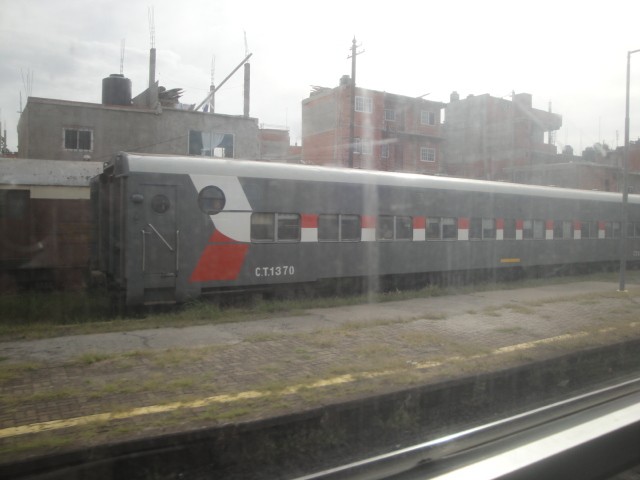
[91, 358]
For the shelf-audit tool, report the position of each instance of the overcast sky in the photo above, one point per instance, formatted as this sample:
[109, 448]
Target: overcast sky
[572, 54]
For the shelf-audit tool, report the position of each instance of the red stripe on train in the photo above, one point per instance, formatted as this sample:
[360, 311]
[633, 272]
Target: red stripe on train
[220, 262]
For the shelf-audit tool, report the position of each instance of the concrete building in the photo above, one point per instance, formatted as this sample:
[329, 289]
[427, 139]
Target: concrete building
[67, 130]
[391, 132]
[597, 169]
[152, 122]
[486, 135]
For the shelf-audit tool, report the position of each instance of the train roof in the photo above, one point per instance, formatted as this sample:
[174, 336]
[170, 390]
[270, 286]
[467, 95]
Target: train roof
[26, 171]
[128, 162]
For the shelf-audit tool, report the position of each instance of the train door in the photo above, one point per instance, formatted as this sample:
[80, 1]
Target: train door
[160, 238]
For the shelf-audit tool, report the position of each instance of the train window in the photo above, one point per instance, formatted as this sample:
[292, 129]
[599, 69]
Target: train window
[450, 228]
[538, 229]
[385, 227]
[288, 227]
[482, 228]
[350, 228]
[433, 229]
[488, 228]
[527, 229]
[328, 228]
[404, 228]
[160, 203]
[613, 230]
[333, 227]
[475, 229]
[589, 230]
[562, 229]
[263, 227]
[509, 229]
[211, 200]
[637, 229]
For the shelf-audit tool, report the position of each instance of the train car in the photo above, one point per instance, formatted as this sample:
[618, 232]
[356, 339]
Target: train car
[45, 222]
[172, 228]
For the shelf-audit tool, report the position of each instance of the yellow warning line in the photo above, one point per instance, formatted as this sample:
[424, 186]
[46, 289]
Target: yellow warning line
[253, 394]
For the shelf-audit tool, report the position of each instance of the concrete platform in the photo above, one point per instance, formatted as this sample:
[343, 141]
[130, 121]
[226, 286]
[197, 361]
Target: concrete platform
[61, 394]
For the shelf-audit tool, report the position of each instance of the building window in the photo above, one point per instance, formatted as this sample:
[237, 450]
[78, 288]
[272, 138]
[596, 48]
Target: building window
[361, 147]
[384, 150]
[364, 104]
[78, 139]
[211, 144]
[389, 115]
[427, 118]
[427, 154]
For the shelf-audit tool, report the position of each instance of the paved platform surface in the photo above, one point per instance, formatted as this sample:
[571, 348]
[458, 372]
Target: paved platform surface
[64, 393]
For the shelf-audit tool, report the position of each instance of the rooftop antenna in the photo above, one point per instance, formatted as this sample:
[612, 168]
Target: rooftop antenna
[354, 53]
[153, 89]
[27, 81]
[247, 79]
[152, 28]
[122, 56]
[212, 88]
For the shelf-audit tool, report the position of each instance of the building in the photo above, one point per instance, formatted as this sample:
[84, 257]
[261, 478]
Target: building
[68, 130]
[152, 122]
[390, 132]
[486, 135]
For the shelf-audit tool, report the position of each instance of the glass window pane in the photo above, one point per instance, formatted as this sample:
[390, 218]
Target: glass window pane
[475, 228]
[328, 228]
[488, 228]
[288, 227]
[350, 227]
[433, 229]
[538, 230]
[385, 228]
[404, 228]
[527, 229]
[450, 228]
[84, 140]
[263, 227]
[70, 139]
[509, 232]
[211, 200]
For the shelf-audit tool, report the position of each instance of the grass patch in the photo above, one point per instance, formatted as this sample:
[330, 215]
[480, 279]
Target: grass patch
[41, 315]
[16, 371]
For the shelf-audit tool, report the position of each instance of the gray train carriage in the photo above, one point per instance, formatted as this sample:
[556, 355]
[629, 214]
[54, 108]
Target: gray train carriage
[171, 228]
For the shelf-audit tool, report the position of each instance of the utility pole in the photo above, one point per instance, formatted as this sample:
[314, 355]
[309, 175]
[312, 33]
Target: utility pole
[354, 47]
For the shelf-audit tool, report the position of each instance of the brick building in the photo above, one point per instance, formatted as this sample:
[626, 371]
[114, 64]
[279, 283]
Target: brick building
[391, 132]
[486, 135]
